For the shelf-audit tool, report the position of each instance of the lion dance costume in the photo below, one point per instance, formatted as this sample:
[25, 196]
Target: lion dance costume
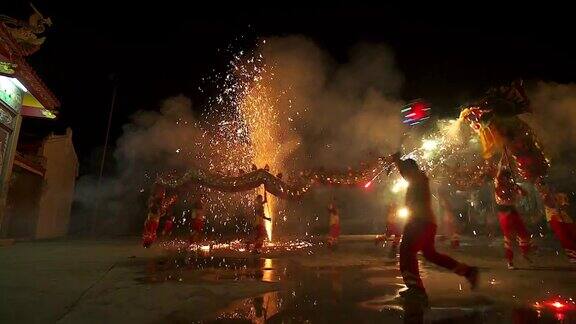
[495, 118]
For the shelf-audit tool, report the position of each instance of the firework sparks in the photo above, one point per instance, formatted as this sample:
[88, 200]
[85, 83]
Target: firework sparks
[241, 131]
[245, 127]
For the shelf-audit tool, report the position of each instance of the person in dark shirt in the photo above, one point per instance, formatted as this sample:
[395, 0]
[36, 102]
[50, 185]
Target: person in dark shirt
[420, 231]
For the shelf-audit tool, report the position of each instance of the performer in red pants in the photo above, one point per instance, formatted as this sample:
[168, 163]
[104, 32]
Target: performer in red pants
[170, 220]
[563, 226]
[334, 222]
[197, 222]
[495, 118]
[419, 234]
[158, 205]
[507, 192]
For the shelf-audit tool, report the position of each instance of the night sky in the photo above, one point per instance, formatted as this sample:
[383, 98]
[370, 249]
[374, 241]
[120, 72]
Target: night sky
[160, 50]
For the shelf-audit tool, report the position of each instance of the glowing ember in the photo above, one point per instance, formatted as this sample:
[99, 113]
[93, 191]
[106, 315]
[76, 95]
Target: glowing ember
[399, 185]
[558, 304]
[403, 212]
[236, 245]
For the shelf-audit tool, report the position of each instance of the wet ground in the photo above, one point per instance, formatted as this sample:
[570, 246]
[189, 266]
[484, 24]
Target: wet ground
[118, 282]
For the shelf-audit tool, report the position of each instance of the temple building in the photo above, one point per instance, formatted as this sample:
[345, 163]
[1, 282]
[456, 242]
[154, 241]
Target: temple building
[37, 167]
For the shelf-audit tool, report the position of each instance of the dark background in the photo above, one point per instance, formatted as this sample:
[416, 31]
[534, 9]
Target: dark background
[162, 49]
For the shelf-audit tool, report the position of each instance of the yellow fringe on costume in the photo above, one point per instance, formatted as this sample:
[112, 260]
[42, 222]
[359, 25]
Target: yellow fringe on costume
[490, 138]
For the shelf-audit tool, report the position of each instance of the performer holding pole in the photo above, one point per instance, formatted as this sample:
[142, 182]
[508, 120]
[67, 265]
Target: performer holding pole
[198, 221]
[334, 224]
[158, 205]
[419, 234]
[170, 217]
[269, 213]
[259, 225]
[495, 119]
[507, 192]
[169, 222]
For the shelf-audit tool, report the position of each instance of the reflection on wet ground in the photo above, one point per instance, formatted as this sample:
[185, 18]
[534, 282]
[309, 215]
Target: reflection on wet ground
[283, 307]
[192, 268]
[359, 294]
[338, 295]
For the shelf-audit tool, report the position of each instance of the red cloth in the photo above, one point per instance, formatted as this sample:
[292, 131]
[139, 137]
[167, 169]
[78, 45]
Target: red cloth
[566, 234]
[513, 227]
[168, 226]
[506, 190]
[150, 228]
[335, 231]
[198, 224]
[260, 232]
[419, 236]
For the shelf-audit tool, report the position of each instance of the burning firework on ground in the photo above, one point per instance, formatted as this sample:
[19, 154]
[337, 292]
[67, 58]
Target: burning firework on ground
[237, 246]
[559, 305]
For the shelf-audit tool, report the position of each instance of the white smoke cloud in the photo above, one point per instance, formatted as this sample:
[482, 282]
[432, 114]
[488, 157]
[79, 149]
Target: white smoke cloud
[554, 117]
[554, 122]
[349, 109]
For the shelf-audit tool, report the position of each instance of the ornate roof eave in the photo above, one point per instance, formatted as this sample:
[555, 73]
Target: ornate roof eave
[8, 45]
[25, 73]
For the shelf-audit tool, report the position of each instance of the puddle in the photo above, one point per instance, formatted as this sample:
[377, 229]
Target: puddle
[282, 307]
[317, 295]
[193, 268]
[331, 294]
[259, 309]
